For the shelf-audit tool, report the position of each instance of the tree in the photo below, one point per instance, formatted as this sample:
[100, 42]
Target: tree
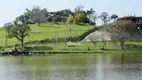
[114, 17]
[36, 15]
[121, 30]
[93, 19]
[90, 14]
[79, 9]
[91, 11]
[104, 17]
[79, 18]
[44, 15]
[70, 19]
[7, 27]
[20, 31]
[22, 18]
[67, 12]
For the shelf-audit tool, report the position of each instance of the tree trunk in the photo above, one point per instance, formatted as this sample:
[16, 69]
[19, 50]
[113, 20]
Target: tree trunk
[114, 43]
[22, 43]
[6, 40]
[38, 24]
[105, 44]
[122, 44]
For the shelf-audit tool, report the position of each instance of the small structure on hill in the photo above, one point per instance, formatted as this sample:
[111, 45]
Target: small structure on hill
[133, 19]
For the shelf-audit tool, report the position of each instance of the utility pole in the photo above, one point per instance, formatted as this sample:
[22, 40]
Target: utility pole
[140, 35]
[56, 39]
[6, 39]
[70, 32]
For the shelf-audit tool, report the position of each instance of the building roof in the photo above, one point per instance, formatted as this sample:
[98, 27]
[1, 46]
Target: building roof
[129, 17]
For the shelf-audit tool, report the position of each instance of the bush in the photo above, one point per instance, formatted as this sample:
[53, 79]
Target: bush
[79, 18]
[70, 20]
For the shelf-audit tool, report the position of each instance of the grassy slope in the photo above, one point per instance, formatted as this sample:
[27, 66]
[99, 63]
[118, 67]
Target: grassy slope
[84, 47]
[48, 30]
[62, 47]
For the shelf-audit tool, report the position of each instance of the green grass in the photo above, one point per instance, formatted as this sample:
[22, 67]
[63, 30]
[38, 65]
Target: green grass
[84, 47]
[47, 31]
[62, 47]
[50, 30]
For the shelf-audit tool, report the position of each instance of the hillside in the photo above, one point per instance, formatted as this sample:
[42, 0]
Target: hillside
[48, 31]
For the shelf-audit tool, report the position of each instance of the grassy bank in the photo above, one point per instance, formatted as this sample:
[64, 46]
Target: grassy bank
[48, 31]
[61, 30]
[62, 47]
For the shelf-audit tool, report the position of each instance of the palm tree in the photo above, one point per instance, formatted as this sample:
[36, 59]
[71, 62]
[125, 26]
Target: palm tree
[92, 11]
[89, 13]
[114, 17]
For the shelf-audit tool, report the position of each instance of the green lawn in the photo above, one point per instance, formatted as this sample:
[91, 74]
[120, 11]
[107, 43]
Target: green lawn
[84, 47]
[48, 31]
[62, 47]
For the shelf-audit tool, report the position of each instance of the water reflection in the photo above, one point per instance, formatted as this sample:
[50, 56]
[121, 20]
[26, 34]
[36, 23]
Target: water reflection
[99, 67]
[72, 67]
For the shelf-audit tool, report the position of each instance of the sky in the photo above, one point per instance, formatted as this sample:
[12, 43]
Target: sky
[10, 9]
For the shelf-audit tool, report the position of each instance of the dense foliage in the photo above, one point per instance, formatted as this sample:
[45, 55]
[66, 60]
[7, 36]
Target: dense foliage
[38, 15]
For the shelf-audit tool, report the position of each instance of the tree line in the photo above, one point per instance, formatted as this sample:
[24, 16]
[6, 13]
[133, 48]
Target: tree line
[79, 15]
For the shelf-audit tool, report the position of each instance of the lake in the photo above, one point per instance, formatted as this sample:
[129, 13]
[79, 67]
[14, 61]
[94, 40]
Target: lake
[72, 67]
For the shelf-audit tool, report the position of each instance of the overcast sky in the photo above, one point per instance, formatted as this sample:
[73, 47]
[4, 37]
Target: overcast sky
[10, 9]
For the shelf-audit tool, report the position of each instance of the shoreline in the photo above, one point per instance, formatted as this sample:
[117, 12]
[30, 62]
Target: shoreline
[69, 52]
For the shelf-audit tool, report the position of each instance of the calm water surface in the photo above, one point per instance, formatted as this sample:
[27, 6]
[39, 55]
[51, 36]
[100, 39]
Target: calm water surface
[72, 67]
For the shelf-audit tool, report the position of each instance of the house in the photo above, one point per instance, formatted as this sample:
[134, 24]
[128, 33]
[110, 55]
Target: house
[134, 19]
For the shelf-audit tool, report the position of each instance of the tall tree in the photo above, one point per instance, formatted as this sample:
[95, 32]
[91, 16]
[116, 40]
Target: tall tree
[36, 15]
[79, 9]
[104, 17]
[91, 11]
[20, 31]
[90, 14]
[44, 15]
